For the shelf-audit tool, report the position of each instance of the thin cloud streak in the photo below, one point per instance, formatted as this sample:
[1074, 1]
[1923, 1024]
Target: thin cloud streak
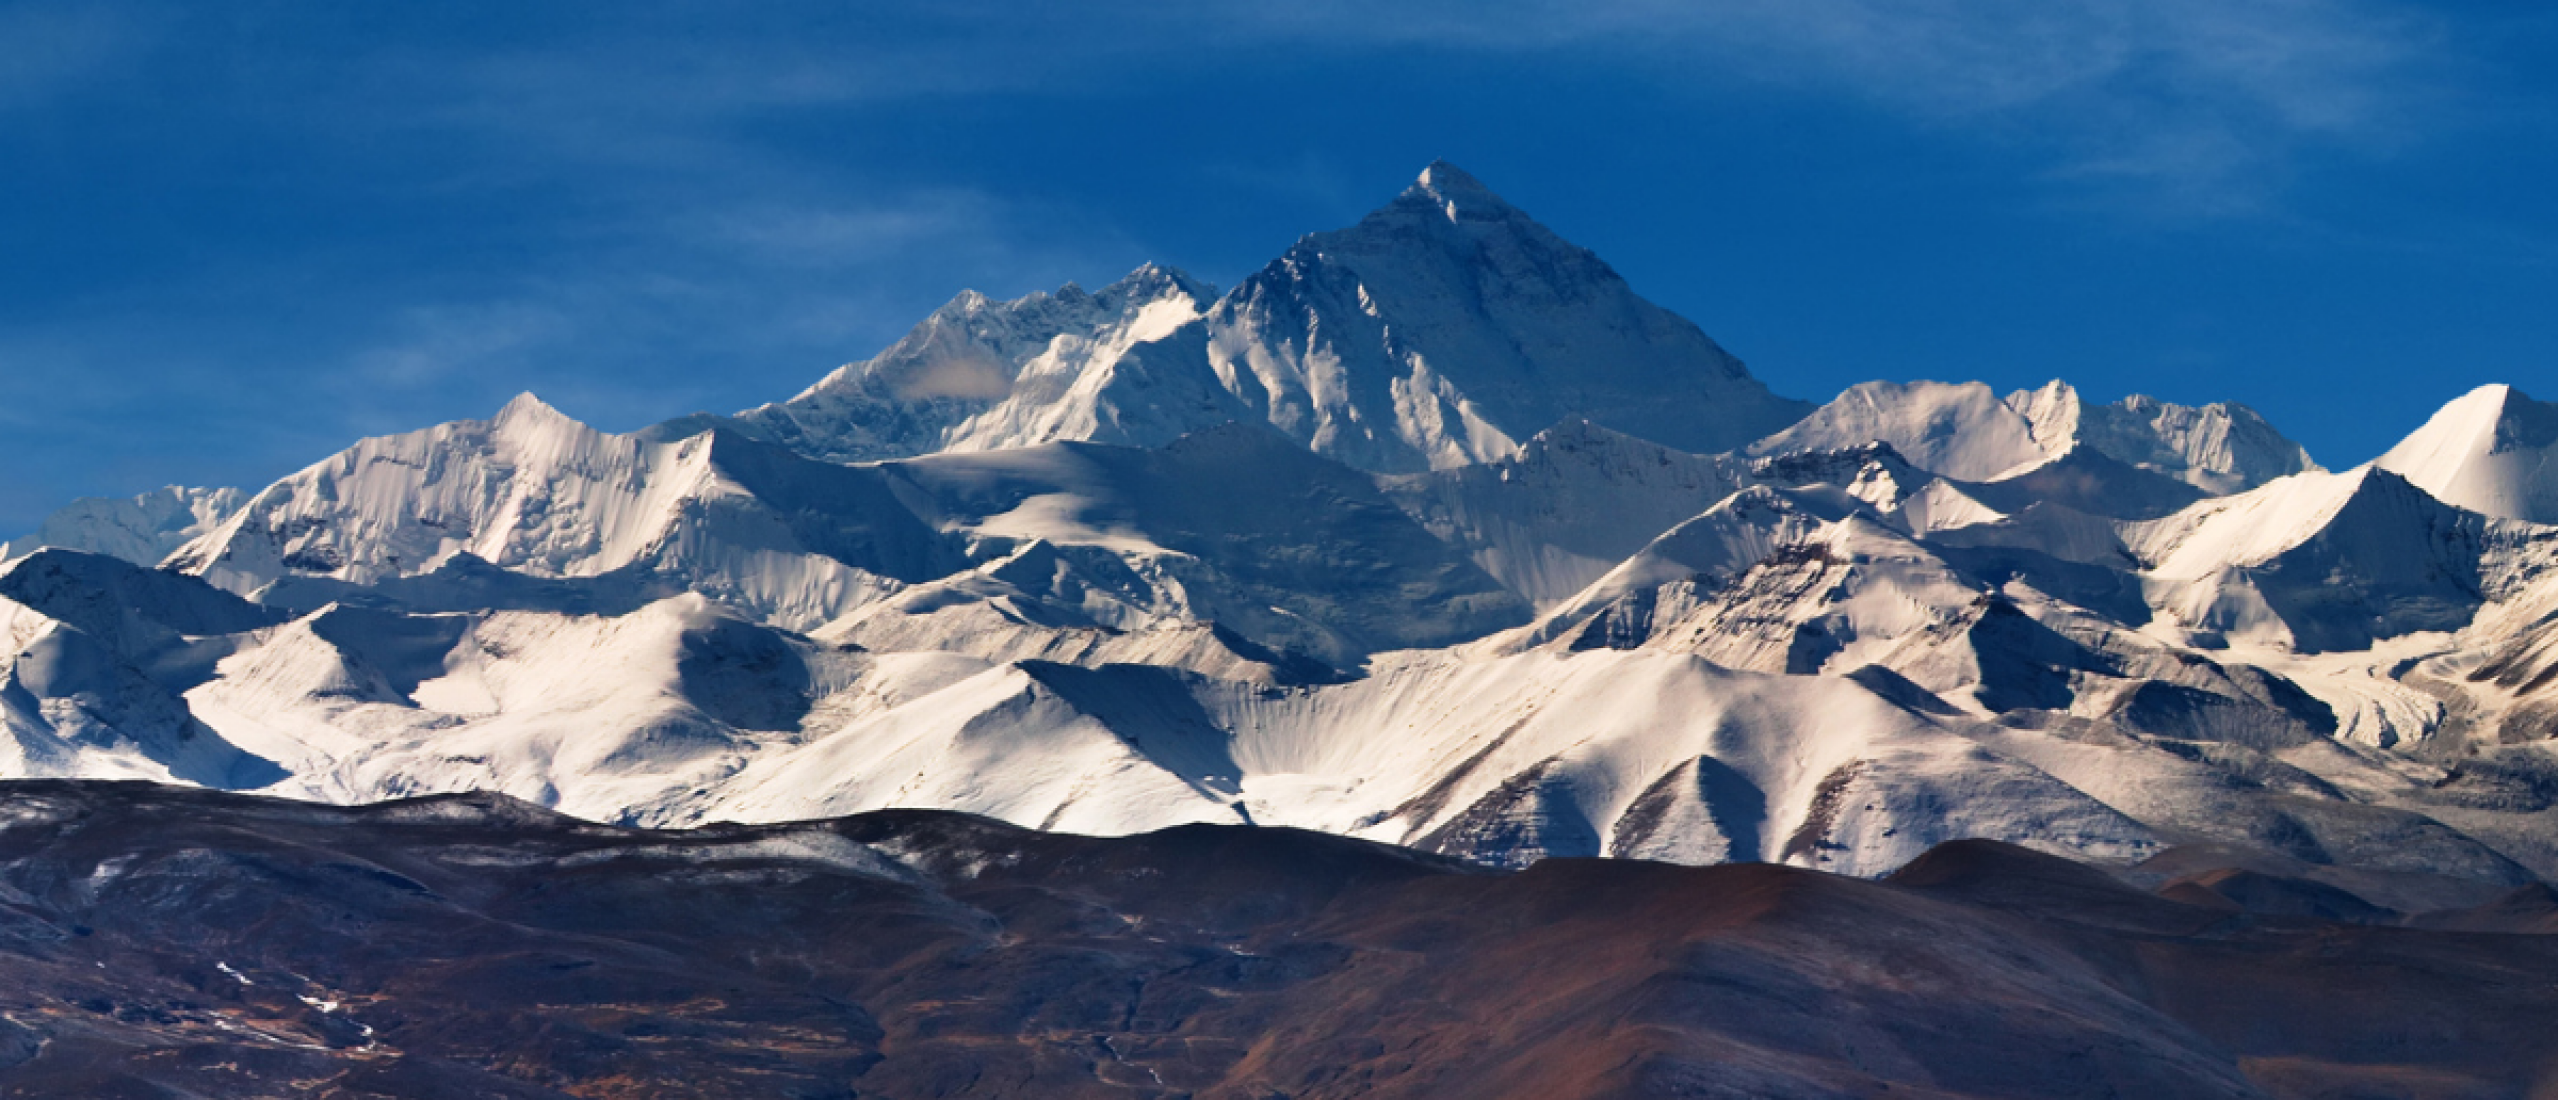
[2202, 103]
[51, 50]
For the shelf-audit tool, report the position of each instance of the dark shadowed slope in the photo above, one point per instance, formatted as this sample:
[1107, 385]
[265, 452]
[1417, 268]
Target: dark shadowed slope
[158, 941]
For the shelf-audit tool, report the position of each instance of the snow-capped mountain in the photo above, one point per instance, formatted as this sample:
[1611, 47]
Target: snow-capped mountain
[2495, 450]
[1447, 326]
[2324, 562]
[1430, 532]
[1961, 431]
[1236, 525]
[531, 510]
[2220, 448]
[1442, 330]
[143, 528]
[1967, 431]
[536, 493]
[97, 652]
[985, 375]
[1576, 500]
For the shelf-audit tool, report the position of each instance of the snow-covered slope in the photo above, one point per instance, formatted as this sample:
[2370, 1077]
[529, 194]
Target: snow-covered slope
[2087, 480]
[1812, 582]
[1740, 532]
[981, 374]
[96, 651]
[1576, 500]
[684, 712]
[1965, 431]
[1510, 760]
[143, 528]
[1236, 525]
[535, 492]
[2325, 562]
[2220, 448]
[2495, 450]
[1961, 431]
[1579, 500]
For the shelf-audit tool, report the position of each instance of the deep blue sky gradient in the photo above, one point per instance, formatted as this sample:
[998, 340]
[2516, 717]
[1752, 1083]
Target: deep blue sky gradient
[235, 237]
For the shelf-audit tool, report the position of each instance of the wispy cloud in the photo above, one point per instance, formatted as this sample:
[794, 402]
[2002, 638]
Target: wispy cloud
[716, 308]
[49, 50]
[830, 234]
[2202, 102]
[433, 345]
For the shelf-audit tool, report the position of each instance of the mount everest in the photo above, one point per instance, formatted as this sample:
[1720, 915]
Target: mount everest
[1429, 532]
[1440, 331]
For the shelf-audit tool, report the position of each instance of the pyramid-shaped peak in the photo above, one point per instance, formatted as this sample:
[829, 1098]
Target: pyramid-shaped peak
[1516, 327]
[1446, 179]
[2521, 422]
[1455, 193]
[2492, 450]
[2495, 416]
[1152, 281]
[968, 300]
[2480, 407]
[2498, 394]
[525, 408]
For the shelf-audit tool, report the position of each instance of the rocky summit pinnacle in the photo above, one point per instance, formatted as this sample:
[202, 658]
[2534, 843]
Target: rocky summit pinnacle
[1453, 189]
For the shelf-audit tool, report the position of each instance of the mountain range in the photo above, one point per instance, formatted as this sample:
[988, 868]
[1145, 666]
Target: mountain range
[1431, 532]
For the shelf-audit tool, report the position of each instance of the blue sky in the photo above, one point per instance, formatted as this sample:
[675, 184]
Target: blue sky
[239, 235]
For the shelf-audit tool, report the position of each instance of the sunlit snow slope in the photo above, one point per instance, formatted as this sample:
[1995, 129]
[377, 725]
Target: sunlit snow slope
[2493, 451]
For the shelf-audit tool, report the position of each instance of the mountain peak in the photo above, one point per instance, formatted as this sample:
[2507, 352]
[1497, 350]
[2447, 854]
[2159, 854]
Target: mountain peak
[1454, 194]
[528, 409]
[143, 528]
[1448, 181]
[1468, 326]
[1154, 282]
[2491, 450]
[2521, 423]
